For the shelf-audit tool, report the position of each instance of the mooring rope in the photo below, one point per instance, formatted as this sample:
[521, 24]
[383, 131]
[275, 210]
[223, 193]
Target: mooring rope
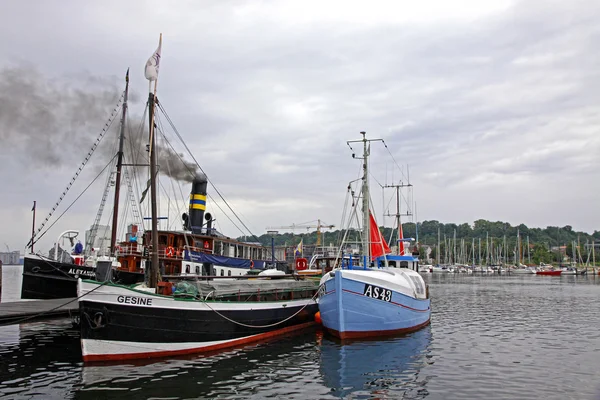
[55, 308]
[262, 326]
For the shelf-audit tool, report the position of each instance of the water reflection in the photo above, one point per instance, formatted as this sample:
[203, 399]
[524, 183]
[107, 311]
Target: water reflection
[382, 368]
[39, 359]
[285, 367]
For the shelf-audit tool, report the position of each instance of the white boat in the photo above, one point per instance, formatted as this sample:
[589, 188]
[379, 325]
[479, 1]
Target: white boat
[437, 269]
[569, 271]
[522, 270]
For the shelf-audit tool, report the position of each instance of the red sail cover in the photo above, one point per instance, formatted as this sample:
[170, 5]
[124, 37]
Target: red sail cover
[379, 246]
[401, 244]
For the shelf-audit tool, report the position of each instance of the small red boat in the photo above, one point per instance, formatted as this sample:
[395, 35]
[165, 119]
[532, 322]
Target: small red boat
[551, 273]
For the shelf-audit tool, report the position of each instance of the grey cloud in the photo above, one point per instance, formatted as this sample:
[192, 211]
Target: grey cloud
[480, 110]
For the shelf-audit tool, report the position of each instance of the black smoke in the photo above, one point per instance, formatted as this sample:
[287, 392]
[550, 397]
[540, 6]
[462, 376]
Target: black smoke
[48, 120]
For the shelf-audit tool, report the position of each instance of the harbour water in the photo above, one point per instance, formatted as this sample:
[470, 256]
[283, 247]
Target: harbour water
[492, 337]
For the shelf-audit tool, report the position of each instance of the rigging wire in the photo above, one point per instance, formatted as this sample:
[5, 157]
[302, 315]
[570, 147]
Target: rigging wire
[193, 173]
[209, 180]
[89, 241]
[105, 129]
[74, 201]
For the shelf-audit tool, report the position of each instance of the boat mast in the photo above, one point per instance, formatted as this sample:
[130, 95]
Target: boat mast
[113, 235]
[438, 247]
[153, 280]
[365, 194]
[518, 248]
[528, 252]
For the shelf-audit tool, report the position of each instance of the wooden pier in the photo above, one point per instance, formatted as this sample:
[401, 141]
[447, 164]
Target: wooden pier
[25, 311]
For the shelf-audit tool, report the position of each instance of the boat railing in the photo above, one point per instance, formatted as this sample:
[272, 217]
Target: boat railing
[199, 249]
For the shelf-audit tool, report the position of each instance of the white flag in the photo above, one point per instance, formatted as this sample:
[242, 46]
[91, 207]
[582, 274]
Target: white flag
[152, 65]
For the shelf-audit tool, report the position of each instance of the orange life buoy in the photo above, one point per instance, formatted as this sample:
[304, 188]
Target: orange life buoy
[251, 264]
[170, 251]
[301, 264]
[206, 244]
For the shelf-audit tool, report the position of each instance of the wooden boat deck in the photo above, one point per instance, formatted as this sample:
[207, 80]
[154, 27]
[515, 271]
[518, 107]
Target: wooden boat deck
[21, 311]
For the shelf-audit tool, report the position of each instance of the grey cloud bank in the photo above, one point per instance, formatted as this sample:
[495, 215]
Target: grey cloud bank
[494, 110]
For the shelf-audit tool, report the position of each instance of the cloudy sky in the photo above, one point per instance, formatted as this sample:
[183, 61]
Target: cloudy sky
[494, 105]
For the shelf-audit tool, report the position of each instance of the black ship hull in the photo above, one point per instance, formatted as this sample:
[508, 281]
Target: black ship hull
[119, 323]
[47, 279]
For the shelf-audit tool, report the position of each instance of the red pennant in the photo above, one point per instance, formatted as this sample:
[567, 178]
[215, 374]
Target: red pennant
[379, 246]
[401, 244]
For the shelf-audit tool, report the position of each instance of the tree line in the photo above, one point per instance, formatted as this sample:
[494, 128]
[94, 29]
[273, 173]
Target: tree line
[542, 240]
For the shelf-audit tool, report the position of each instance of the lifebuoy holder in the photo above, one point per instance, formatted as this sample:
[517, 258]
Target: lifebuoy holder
[170, 251]
[301, 264]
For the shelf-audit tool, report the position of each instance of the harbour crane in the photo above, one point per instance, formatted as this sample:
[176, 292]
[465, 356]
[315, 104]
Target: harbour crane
[320, 225]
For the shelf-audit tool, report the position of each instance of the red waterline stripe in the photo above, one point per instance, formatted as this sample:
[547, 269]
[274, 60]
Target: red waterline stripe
[365, 334]
[392, 302]
[207, 349]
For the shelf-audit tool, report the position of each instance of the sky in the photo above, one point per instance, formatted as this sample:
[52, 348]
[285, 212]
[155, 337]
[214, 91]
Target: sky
[493, 106]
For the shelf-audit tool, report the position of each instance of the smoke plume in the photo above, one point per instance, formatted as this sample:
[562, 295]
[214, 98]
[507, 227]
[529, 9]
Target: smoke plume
[54, 122]
[170, 163]
[48, 119]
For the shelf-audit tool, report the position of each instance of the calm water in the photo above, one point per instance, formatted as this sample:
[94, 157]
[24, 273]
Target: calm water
[491, 337]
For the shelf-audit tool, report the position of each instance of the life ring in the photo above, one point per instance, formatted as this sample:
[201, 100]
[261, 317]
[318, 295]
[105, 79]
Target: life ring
[170, 251]
[301, 264]
[251, 264]
[206, 244]
[119, 249]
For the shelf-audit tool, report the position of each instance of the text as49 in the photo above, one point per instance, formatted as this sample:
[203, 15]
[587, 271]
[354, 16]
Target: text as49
[378, 293]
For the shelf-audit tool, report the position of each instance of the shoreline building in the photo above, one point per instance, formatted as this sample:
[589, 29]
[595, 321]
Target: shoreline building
[10, 257]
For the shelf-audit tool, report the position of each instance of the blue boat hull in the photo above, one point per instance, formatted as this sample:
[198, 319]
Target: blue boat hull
[348, 313]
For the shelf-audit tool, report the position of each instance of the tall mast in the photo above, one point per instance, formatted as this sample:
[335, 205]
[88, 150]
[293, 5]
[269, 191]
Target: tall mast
[398, 222]
[365, 194]
[518, 248]
[438, 247]
[153, 280]
[113, 235]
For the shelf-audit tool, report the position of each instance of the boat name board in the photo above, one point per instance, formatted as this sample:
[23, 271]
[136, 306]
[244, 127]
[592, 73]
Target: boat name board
[142, 301]
[377, 292]
[76, 272]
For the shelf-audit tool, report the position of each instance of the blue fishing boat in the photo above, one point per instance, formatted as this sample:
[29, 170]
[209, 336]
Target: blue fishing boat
[381, 294]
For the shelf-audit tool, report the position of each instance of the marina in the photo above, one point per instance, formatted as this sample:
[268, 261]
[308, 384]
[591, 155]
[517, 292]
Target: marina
[491, 336]
[219, 201]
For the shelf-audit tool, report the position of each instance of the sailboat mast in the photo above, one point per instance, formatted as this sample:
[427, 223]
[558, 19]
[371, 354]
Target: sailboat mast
[438, 247]
[518, 248]
[153, 280]
[365, 194]
[115, 219]
[154, 253]
[398, 222]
